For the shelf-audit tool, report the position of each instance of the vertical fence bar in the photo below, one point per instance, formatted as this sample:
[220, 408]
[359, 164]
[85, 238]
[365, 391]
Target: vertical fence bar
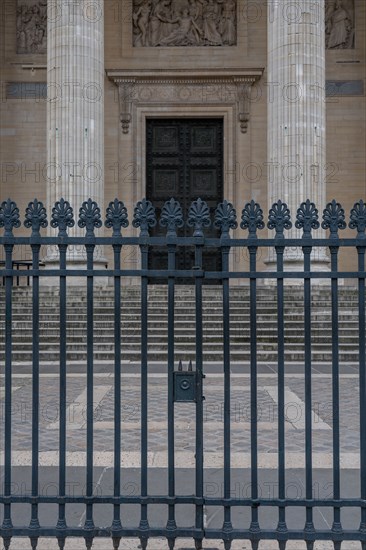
[254, 525]
[225, 219]
[171, 524]
[144, 524]
[199, 217]
[309, 527]
[62, 217]
[34, 523]
[334, 219]
[7, 521]
[61, 524]
[337, 526]
[199, 401]
[358, 221]
[116, 525]
[9, 218]
[144, 217]
[89, 217]
[307, 219]
[252, 219]
[171, 217]
[279, 218]
[227, 528]
[89, 522]
[116, 218]
[362, 379]
[281, 527]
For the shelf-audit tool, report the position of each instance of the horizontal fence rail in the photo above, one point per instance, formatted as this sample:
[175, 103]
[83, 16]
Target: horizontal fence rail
[183, 386]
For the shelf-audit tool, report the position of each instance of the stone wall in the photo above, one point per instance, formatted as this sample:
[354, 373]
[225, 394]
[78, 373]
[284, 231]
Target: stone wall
[23, 138]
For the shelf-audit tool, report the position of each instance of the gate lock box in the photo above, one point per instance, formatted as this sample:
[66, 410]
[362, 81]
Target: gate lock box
[185, 384]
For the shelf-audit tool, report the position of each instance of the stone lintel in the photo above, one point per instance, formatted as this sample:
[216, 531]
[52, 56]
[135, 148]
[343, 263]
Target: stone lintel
[241, 80]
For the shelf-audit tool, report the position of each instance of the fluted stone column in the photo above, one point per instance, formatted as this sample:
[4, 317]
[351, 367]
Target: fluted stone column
[296, 111]
[75, 78]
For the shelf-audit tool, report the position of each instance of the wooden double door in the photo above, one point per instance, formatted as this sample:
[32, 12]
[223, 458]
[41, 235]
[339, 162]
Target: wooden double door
[184, 161]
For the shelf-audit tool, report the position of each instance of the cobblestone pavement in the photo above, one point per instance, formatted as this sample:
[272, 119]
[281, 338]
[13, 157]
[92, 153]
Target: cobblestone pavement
[185, 438]
[185, 414]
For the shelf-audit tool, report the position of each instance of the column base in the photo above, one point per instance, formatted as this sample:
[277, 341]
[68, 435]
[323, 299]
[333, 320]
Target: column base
[74, 280]
[321, 266]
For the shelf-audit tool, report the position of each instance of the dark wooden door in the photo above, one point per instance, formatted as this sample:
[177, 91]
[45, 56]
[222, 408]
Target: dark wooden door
[184, 161]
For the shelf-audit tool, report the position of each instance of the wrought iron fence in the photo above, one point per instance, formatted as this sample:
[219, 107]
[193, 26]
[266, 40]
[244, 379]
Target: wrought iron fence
[184, 386]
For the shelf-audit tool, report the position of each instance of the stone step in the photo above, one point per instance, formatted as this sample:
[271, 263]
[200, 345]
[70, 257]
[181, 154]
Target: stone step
[184, 355]
[185, 340]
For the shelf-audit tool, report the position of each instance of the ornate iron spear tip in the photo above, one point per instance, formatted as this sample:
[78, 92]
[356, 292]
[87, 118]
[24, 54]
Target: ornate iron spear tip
[358, 219]
[116, 217]
[9, 217]
[225, 218]
[171, 216]
[199, 217]
[252, 218]
[35, 217]
[62, 217]
[307, 217]
[144, 216]
[89, 217]
[279, 218]
[333, 218]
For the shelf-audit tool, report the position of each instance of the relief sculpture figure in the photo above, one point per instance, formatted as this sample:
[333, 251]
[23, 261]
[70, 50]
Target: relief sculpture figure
[210, 22]
[160, 25]
[141, 20]
[186, 34]
[339, 26]
[227, 22]
[32, 27]
[184, 23]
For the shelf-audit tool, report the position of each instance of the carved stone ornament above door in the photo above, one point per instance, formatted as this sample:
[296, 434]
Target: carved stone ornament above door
[185, 88]
[169, 23]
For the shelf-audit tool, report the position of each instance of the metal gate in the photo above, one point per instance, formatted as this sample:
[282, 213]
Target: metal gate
[186, 386]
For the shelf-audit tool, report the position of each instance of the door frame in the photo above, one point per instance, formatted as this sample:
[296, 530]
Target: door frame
[186, 159]
[136, 151]
[201, 112]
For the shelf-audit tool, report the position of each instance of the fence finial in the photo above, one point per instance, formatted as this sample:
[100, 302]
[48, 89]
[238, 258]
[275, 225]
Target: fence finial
[252, 218]
[144, 216]
[279, 218]
[62, 217]
[358, 219]
[225, 218]
[116, 217]
[89, 217]
[9, 217]
[333, 218]
[198, 217]
[171, 217]
[307, 217]
[35, 217]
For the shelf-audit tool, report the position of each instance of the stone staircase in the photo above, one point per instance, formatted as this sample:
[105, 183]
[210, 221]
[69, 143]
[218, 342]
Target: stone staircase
[184, 324]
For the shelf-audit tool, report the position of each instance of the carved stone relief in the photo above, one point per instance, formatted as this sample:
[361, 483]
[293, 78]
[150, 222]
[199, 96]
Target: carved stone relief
[236, 90]
[339, 24]
[184, 22]
[32, 26]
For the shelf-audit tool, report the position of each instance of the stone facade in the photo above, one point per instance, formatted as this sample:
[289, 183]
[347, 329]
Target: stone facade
[185, 79]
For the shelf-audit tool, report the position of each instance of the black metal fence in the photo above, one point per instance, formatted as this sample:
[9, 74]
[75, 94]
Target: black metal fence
[184, 386]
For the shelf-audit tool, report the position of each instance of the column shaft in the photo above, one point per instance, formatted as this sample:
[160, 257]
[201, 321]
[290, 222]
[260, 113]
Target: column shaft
[296, 108]
[75, 77]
